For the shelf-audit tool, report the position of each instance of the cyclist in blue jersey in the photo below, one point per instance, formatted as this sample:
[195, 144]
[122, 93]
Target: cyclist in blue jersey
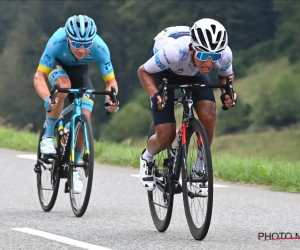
[184, 55]
[65, 61]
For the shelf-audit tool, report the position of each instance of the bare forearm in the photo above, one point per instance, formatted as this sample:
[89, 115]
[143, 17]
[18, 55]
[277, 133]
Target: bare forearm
[223, 80]
[109, 84]
[147, 81]
[41, 85]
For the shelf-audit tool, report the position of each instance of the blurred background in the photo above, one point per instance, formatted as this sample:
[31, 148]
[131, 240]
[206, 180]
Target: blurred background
[263, 35]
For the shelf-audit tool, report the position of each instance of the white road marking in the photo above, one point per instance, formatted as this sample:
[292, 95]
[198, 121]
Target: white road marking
[61, 239]
[30, 157]
[215, 185]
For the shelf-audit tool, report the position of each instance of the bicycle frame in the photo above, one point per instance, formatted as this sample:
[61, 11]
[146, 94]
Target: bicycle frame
[188, 115]
[77, 111]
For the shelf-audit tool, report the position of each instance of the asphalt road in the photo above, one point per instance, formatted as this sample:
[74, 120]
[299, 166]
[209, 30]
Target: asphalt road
[118, 216]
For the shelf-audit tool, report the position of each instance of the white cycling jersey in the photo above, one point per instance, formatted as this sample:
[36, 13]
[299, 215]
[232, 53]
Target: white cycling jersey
[171, 51]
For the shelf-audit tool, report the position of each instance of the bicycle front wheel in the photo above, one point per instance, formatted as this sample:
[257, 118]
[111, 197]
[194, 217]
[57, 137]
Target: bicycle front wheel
[161, 198]
[47, 175]
[81, 172]
[197, 188]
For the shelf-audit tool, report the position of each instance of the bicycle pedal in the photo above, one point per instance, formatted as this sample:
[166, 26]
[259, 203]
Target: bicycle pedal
[158, 173]
[166, 162]
[48, 157]
[176, 189]
[37, 168]
[85, 158]
[67, 189]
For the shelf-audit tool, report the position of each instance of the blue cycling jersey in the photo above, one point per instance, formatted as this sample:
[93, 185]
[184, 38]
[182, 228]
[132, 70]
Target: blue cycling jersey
[57, 48]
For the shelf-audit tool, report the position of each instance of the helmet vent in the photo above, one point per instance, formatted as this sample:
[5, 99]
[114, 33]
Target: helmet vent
[213, 28]
[219, 37]
[201, 37]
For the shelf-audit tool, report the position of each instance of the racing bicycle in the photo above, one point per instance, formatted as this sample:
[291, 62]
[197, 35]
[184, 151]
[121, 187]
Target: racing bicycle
[170, 164]
[51, 168]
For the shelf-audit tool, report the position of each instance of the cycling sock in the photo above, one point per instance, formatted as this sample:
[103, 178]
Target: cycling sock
[49, 126]
[78, 154]
[148, 157]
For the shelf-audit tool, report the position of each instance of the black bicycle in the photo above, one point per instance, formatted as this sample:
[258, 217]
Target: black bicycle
[51, 168]
[193, 148]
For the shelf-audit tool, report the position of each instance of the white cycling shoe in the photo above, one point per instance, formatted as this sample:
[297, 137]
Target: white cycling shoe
[77, 182]
[47, 146]
[147, 174]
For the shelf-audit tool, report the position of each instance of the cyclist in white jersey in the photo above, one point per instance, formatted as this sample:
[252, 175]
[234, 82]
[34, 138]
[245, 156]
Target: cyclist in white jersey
[183, 54]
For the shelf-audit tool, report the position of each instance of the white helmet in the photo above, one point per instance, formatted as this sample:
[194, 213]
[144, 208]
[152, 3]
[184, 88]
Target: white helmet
[209, 35]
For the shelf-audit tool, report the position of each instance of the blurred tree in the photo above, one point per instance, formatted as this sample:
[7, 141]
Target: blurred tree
[21, 104]
[9, 11]
[131, 122]
[233, 120]
[279, 105]
[128, 28]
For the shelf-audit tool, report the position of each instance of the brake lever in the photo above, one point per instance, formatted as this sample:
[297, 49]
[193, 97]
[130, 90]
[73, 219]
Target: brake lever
[53, 94]
[229, 91]
[162, 91]
[113, 97]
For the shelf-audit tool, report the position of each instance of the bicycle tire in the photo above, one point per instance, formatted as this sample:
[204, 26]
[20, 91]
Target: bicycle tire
[199, 233]
[161, 223]
[47, 206]
[80, 211]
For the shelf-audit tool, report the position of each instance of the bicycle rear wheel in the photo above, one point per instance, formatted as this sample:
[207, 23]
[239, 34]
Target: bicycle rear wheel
[197, 190]
[84, 168]
[161, 199]
[47, 175]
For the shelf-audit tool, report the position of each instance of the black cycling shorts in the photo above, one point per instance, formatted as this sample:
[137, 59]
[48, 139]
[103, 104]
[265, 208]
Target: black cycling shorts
[78, 75]
[166, 115]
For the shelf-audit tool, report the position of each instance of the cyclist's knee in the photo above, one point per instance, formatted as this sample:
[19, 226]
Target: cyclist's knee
[60, 76]
[208, 118]
[165, 134]
[206, 111]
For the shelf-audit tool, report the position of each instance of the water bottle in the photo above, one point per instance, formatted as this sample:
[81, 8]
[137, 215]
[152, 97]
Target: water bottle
[175, 143]
[66, 134]
[60, 128]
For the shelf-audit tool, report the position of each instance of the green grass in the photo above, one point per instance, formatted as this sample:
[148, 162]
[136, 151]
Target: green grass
[279, 175]
[106, 153]
[280, 145]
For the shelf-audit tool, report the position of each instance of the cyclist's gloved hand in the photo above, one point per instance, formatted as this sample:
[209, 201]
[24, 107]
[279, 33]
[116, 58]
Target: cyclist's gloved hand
[48, 105]
[227, 102]
[156, 102]
[110, 106]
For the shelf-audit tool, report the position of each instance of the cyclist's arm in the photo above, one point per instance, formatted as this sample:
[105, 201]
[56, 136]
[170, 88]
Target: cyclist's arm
[160, 61]
[45, 65]
[42, 72]
[102, 54]
[225, 68]
[40, 84]
[147, 81]
[108, 75]
[109, 84]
